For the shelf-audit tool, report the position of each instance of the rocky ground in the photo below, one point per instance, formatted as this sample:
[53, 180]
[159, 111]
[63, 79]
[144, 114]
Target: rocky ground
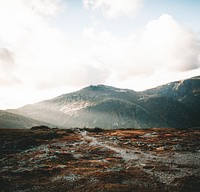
[95, 160]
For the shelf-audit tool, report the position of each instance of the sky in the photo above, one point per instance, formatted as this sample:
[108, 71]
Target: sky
[52, 47]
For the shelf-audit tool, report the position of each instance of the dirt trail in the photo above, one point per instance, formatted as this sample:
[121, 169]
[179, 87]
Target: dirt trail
[126, 154]
[137, 158]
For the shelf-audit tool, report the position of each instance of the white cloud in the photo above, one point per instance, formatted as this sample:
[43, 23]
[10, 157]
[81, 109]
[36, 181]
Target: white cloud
[37, 58]
[7, 67]
[32, 53]
[6, 58]
[39, 50]
[44, 7]
[114, 8]
[171, 45]
[162, 44]
[18, 20]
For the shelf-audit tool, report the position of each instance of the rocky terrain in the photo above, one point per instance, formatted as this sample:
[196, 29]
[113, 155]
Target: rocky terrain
[83, 160]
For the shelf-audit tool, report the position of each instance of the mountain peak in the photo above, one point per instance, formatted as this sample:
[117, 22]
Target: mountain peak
[99, 87]
[102, 87]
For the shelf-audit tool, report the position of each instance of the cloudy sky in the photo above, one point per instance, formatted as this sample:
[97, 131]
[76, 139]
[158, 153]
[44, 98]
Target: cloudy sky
[51, 47]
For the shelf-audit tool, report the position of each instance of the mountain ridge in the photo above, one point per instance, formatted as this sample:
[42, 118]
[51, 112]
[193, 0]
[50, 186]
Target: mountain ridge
[171, 105]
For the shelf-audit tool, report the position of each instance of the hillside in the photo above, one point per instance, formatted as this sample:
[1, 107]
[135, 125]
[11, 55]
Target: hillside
[10, 120]
[173, 105]
[185, 91]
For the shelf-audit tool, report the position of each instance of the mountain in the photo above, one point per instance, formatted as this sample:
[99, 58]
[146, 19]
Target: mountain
[92, 106]
[172, 105]
[185, 91]
[10, 120]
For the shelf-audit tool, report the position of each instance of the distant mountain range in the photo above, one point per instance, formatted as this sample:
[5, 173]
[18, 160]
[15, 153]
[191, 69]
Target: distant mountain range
[175, 104]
